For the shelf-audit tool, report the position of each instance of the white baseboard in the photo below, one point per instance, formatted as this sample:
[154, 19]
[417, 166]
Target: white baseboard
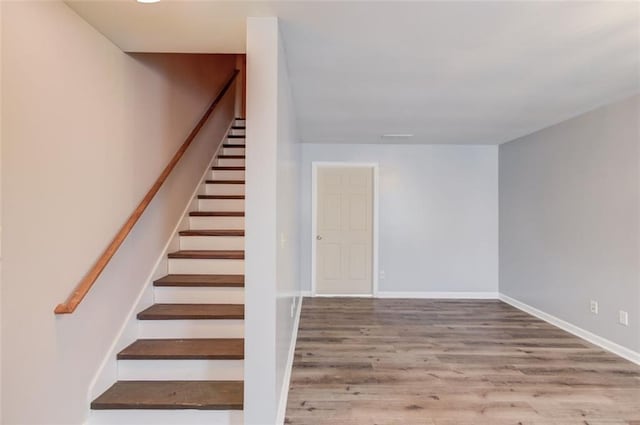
[284, 391]
[440, 295]
[422, 295]
[604, 343]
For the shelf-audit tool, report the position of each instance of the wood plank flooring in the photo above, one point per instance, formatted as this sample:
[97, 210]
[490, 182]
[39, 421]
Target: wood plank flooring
[450, 362]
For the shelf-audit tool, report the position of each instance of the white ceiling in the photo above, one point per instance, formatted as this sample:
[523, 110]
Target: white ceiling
[446, 72]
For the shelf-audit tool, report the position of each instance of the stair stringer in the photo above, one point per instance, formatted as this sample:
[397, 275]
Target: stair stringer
[107, 372]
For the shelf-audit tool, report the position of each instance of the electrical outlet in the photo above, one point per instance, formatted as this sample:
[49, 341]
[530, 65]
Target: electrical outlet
[623, 318]
[594, 307]
[382, 275]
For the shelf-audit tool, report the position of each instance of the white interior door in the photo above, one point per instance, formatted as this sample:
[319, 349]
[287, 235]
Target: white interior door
[344, 234]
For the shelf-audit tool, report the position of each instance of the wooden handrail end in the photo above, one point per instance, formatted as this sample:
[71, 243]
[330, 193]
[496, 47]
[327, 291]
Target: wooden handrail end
[62, 309]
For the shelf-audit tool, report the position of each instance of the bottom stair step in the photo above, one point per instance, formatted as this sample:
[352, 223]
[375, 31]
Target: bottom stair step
[199, 395]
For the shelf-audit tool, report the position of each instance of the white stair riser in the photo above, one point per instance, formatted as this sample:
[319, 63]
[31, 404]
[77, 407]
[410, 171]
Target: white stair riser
[231, 162]
[227, 175]
[166, 417]
[221, 205]
[177, 295]
[211, 242]
[191, 328]
[226, 223]
[235, 141]
[180, 370]
[238, 131]
[224, 189]
[205, 266]
[233, 151]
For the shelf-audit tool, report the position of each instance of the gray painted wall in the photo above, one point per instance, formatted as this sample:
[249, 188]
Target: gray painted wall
[438, 224]
[569, 220]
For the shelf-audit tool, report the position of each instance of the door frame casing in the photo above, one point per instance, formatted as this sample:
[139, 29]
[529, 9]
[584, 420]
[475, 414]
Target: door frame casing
[315, 165]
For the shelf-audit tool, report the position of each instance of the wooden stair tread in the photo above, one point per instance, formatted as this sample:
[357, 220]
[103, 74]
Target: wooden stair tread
[193, 312]
[238, 127]
[202, 280]
[224, 181]
[236, 136]
[208, 254]
[220, 232]
[228, 168]
[184, 349]
[216, 214]
[229, 145]
[232, 156]
[220, 196]
[200, 395]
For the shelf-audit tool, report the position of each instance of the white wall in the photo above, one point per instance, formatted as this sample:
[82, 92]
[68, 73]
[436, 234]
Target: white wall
[570, 220]
[86, 130]
[288, 225]
[260, 221]
[271, 243]
[438, 218]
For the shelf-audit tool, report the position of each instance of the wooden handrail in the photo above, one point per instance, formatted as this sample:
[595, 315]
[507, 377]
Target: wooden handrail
[72, 302]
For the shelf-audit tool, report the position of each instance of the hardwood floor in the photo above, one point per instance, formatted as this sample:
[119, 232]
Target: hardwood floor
[445, 362]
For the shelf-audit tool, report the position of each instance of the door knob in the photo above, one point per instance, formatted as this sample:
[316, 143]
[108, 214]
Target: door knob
[319, 238]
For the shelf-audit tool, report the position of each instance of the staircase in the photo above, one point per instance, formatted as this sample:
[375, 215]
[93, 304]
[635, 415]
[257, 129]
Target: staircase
[187, 366]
